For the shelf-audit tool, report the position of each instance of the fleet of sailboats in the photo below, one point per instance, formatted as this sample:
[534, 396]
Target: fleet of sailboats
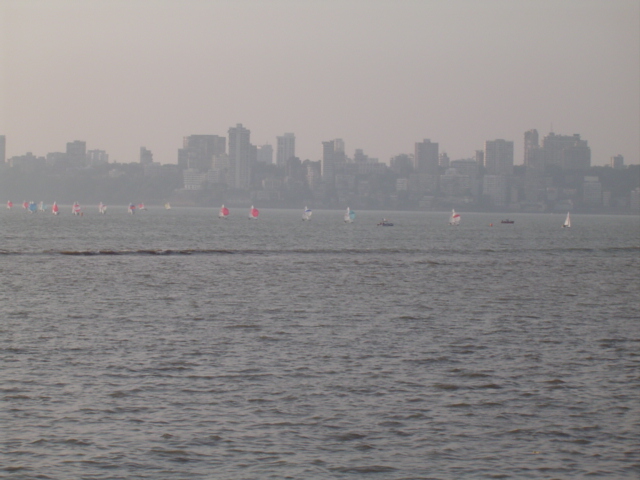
[349, 215]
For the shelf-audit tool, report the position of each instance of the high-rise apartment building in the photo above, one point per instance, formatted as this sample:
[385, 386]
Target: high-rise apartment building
[77, 153]
[617, 161]
[198, 150]
[333, 158]
[566, 151]
[426, 157]
[286, 149]
[97, 157]
[265, 154]
[240, 154]
[498, 157]
[533, 157]
[427, 161]
[146, 157]
[328, 162]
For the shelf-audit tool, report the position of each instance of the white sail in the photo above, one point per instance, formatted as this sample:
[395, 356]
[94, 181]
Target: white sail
[349, 216]
[454, 219]
[306, 215]
[567, 221]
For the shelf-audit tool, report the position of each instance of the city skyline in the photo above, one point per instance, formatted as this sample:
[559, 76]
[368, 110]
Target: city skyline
[380, 75]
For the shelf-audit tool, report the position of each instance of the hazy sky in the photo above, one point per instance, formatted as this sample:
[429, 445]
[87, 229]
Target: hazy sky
[381, 75]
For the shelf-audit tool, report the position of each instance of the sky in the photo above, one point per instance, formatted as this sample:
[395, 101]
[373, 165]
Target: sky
[381, 75]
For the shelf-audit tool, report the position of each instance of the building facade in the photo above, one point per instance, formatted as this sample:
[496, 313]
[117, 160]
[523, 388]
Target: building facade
[498, 157]
[240, 156]
[566, 151]
[286, 149]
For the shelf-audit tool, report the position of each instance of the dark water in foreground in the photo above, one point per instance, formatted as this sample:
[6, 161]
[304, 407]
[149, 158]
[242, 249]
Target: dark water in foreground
[174, 345]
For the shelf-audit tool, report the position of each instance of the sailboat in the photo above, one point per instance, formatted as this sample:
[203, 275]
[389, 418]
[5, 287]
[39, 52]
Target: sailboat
[76, 210]
[132, 208]
[224, 212]
[25, 205]
[167, 206]
[33, 208]
[567, 222]
[306, 215]
[349, 216]
[141, 206]
[9, 204]
[102, 208]
[54, 208]
[454, 219]
[41, 207]
[253, 213]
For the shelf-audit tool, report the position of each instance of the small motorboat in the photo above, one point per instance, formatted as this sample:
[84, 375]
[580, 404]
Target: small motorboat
[385, 223]
[507, 221]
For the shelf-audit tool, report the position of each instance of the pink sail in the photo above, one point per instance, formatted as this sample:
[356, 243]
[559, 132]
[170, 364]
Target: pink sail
[254, 212]
[224, 212]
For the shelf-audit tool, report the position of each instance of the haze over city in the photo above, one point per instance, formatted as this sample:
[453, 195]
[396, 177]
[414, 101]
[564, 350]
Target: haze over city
[381, 75]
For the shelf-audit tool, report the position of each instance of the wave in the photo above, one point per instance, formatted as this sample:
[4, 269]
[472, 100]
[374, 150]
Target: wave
[314, 251]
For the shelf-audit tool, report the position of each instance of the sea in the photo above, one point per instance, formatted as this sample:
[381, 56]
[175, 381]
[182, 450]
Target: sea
[171, 344]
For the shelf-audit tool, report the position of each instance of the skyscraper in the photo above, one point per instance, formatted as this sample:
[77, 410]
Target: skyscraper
[77, 153]
[286, 149]
[566, 151]
[198, 150]
[617, 162]
[328, 163]
[427, 161]
[146, 157]
[498, 157]
[426, 157]
[532, 153]
[333, 157]
[240, 154]
[265, 154]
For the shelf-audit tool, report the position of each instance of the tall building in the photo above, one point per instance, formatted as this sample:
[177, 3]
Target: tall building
[77, 153]
[498, 157]
[566, 151]
[265, 154]
[427, 161]
[329, 162]
[333, 158]
[198, 150]
[533, 157]
[495, 187]
[240, 154]
[617, 161]
[426, 157]
[146, 157]
[286, 149]
[97, 157]
[3, 149]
